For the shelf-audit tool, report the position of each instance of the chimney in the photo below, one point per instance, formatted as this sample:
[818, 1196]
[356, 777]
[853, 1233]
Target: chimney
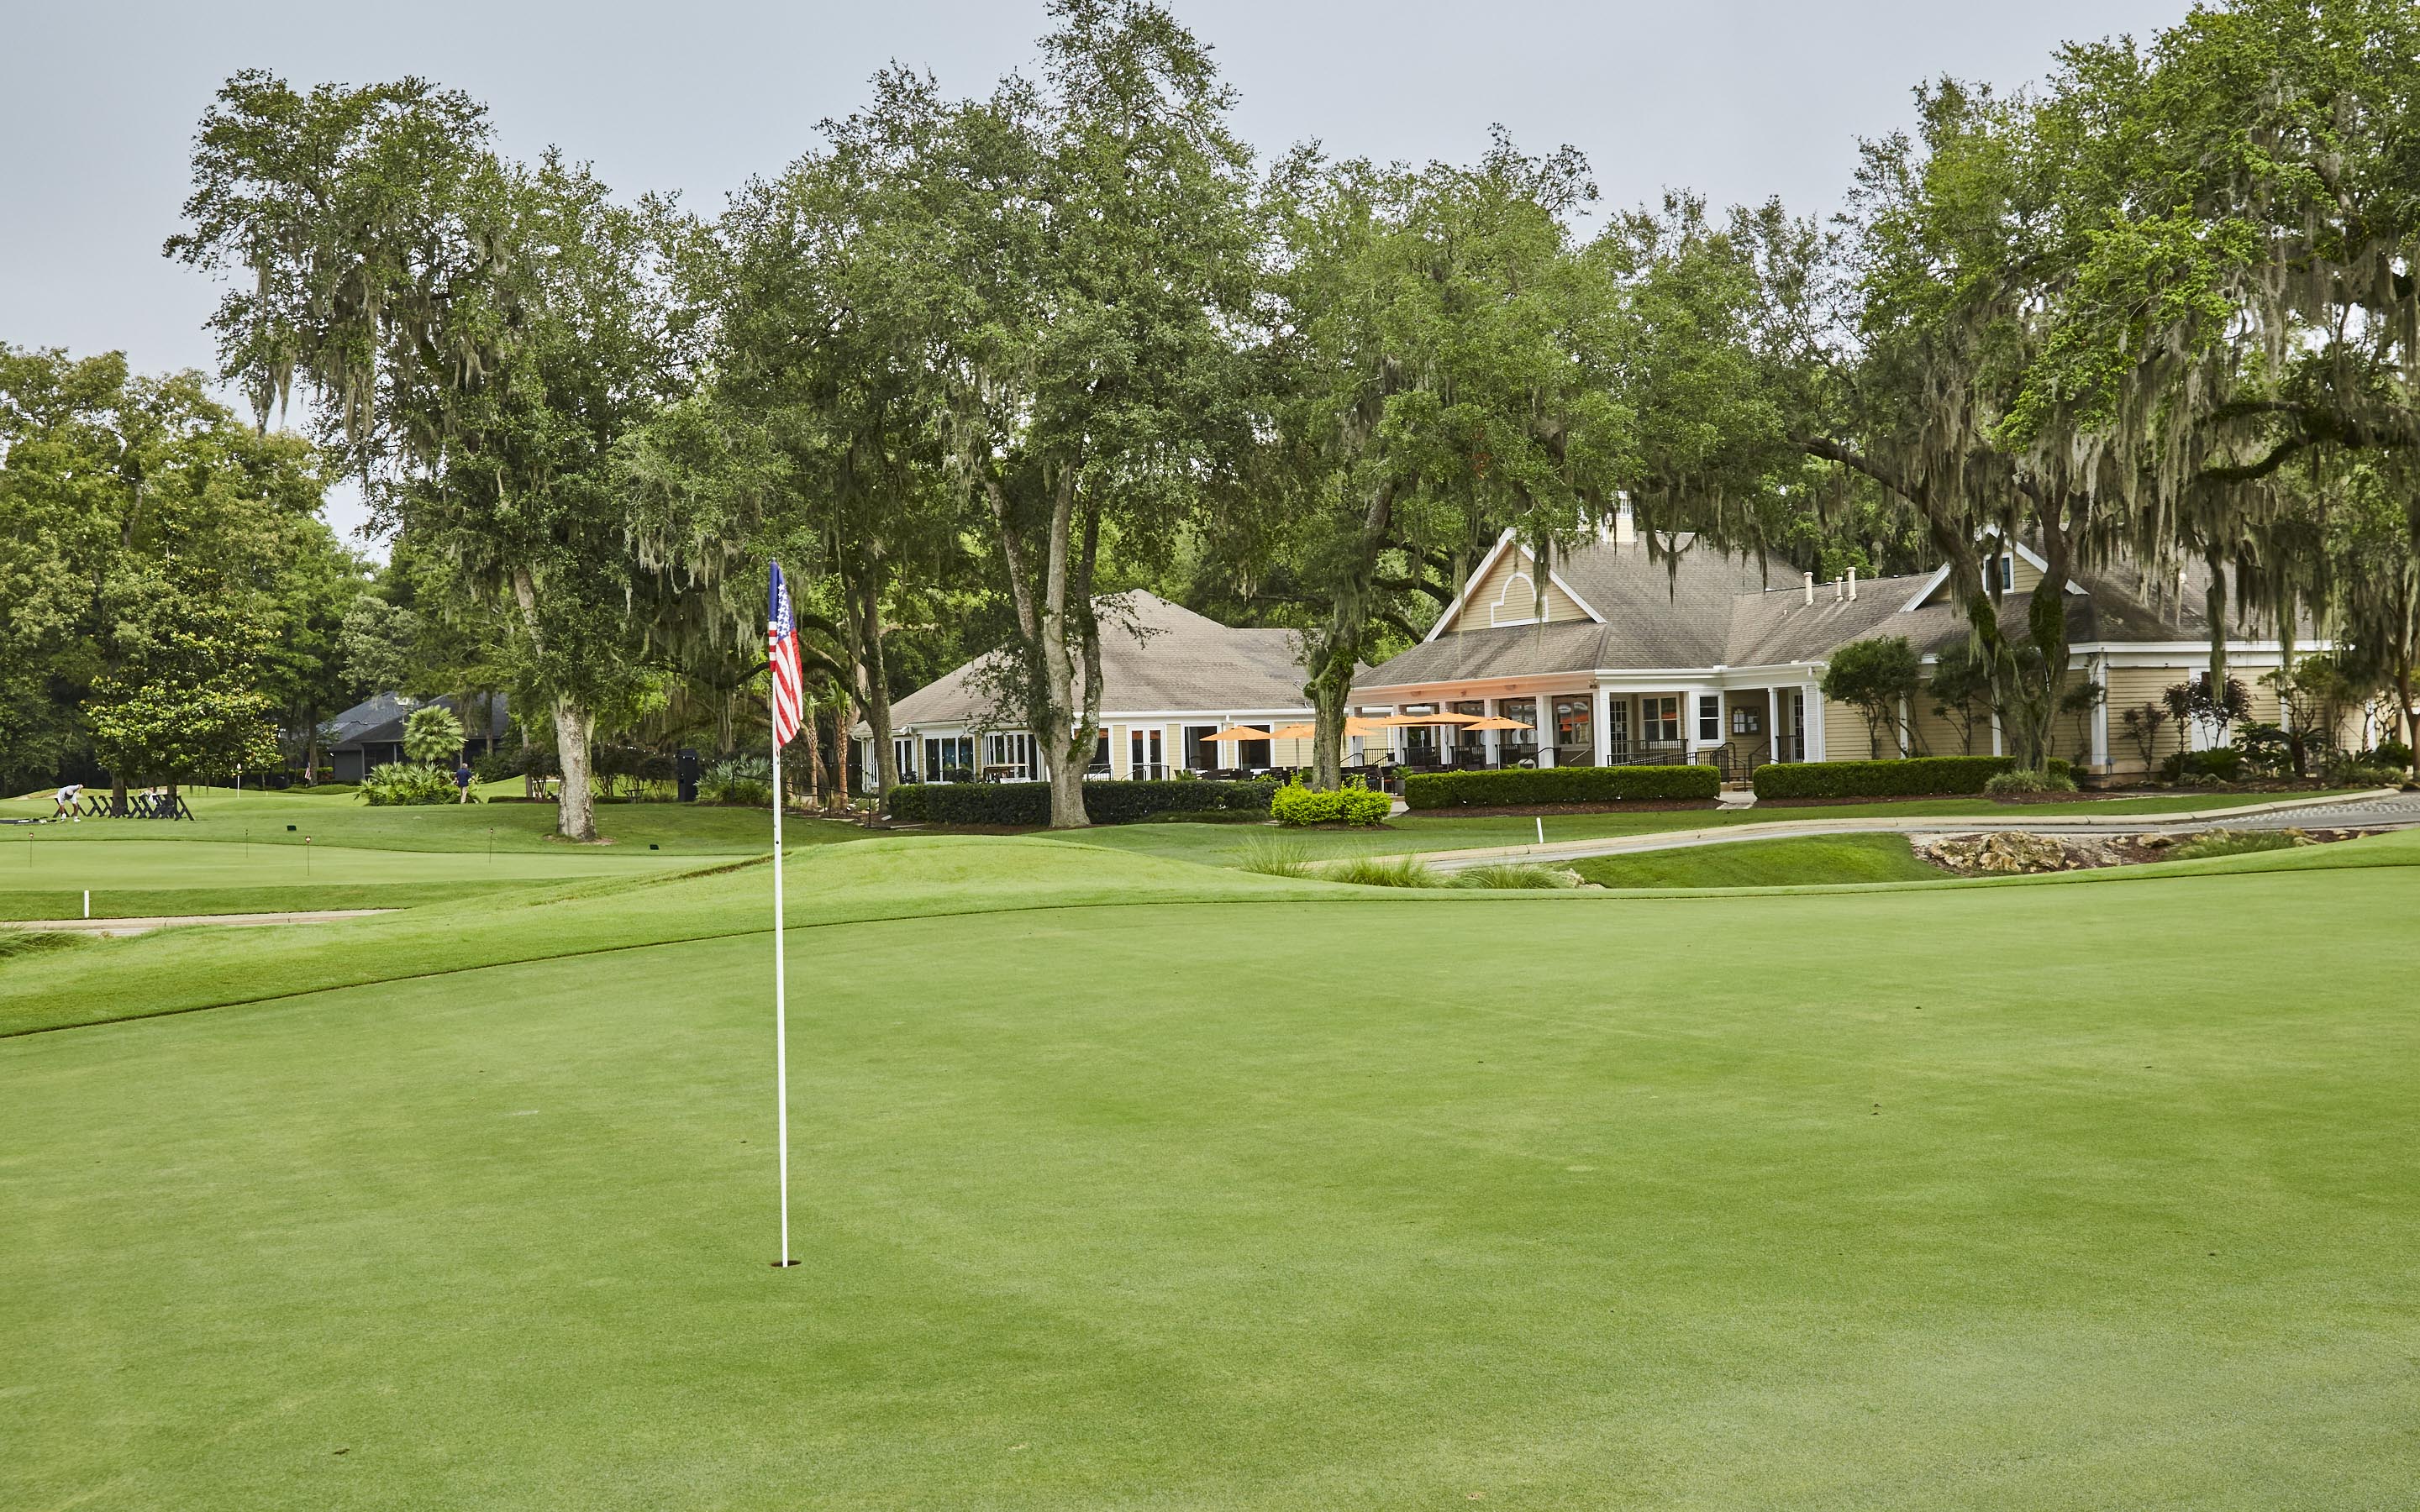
[1836, 589]
[1625, 527]
[1808, 581]
[1853, 585]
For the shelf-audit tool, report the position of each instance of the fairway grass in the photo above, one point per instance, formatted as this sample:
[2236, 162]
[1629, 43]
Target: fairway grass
[1122, 1182]
[341, 819]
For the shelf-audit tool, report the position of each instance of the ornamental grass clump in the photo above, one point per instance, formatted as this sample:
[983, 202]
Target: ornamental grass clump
[1384, 871]
[1516, 875]
[2021, 781]
[1272, 857]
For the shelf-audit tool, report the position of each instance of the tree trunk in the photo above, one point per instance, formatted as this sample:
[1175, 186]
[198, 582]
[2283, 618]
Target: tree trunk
[2403, 707]
[861, 615]
[1333, 656]
[575, 814]
[841, 725]
[811, 727]
[1042, 634]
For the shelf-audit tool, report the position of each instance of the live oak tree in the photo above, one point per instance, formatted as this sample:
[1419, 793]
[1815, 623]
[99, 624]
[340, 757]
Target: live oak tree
[1431, 374]
[1092, 257]
[133, 511]
[480, 336]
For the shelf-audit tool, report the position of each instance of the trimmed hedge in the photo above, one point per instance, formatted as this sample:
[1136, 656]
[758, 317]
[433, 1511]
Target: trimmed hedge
[1352, 804]
[1107, 803]
[1559, 784]
[1910, 778]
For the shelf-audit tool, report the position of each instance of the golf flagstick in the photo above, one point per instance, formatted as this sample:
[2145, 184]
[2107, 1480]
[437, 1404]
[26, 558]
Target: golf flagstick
[781, 1015]
[786, 699]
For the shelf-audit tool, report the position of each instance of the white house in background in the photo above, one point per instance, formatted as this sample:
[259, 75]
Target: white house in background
[1170, 680]
[1616, 658]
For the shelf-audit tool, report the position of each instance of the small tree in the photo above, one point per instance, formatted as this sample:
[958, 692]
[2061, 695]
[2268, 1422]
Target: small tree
[1877, 676]
[2142, 724]
[2212, 708]
[432, 735]
[1961, 686]
[2314, 694]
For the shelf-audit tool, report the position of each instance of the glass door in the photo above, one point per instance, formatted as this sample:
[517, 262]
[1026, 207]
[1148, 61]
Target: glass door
[1616, 731]
[1575, 730]
[1143, 756]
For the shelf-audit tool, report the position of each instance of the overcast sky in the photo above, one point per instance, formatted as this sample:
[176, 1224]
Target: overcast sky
[1739, 100]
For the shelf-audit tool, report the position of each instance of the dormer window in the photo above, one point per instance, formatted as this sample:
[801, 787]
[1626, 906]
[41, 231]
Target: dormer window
[2005, 566]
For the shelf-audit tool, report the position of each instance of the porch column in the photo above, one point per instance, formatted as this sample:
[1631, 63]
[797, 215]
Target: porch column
[1545, 704]
[1602, 723]
[1814, 697]
[1772, 723]
[1492, 740]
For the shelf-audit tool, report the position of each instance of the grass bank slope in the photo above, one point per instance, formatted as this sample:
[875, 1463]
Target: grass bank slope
[1943, 1197]
[180, 970]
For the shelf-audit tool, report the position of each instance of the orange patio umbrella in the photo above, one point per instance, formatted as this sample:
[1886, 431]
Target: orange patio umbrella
[1242, 732]
[1294, 731]
[1464, 719]
[1496, 721]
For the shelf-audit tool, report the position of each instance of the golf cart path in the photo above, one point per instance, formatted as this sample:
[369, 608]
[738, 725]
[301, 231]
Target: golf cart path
[145, 924]
[2379, 808]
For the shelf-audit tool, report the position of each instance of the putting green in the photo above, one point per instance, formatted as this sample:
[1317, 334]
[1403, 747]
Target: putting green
[1122, 1182]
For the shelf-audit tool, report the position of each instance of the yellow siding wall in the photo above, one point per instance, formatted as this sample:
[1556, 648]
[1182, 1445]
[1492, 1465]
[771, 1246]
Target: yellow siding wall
[1845, 736]
[1520, 603]
[1937, 734]
[2023, 574]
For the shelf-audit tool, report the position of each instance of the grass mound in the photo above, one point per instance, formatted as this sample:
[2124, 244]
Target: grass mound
[1803, 861]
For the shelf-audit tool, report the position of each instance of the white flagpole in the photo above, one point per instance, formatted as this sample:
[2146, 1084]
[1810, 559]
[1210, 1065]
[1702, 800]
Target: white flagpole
[781, 1004]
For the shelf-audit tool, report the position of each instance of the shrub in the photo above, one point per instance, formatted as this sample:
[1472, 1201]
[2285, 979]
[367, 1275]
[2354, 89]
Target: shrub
[744, 781]
[400, 782]
[1384, 871]
[2225, 764]
[1107, 803]
[2393, 753]
[2021, 781]
[1560, 784]
[1516, 874]
[2360, 772]
[1352, 804]
[1915, 777]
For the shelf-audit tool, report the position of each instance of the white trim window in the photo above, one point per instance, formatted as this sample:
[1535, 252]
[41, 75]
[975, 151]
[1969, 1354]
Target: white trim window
[1710, 718]
[1009, 754]
[1659, 718]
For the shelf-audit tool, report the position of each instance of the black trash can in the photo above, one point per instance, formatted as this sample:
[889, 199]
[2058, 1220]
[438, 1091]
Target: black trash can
[685, 772]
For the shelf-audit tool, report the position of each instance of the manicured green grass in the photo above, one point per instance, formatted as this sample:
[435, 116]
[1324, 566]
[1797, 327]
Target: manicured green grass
[1229, 845]
[1807, 860]
[221, 814]
[1120, 1183]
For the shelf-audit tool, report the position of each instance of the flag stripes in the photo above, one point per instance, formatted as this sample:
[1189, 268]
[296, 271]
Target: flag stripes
[782, 651]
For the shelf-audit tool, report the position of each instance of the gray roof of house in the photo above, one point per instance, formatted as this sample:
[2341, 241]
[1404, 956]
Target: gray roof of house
[1702, 608]
[379, 720]
[1155, 656]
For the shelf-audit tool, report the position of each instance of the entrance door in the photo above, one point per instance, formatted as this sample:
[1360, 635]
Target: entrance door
[1143, 755]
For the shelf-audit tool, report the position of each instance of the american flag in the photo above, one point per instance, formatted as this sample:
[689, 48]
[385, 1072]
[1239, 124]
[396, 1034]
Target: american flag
[789, 682]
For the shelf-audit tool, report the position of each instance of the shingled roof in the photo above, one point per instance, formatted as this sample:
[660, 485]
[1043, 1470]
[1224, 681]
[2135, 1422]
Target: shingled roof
[1701, 608]
[1156, 657]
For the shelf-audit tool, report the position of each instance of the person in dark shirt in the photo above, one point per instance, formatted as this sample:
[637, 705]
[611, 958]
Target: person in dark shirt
[462, 780]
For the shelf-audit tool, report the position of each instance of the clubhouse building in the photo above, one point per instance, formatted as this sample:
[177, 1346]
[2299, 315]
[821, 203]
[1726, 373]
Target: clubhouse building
[1609, 654]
